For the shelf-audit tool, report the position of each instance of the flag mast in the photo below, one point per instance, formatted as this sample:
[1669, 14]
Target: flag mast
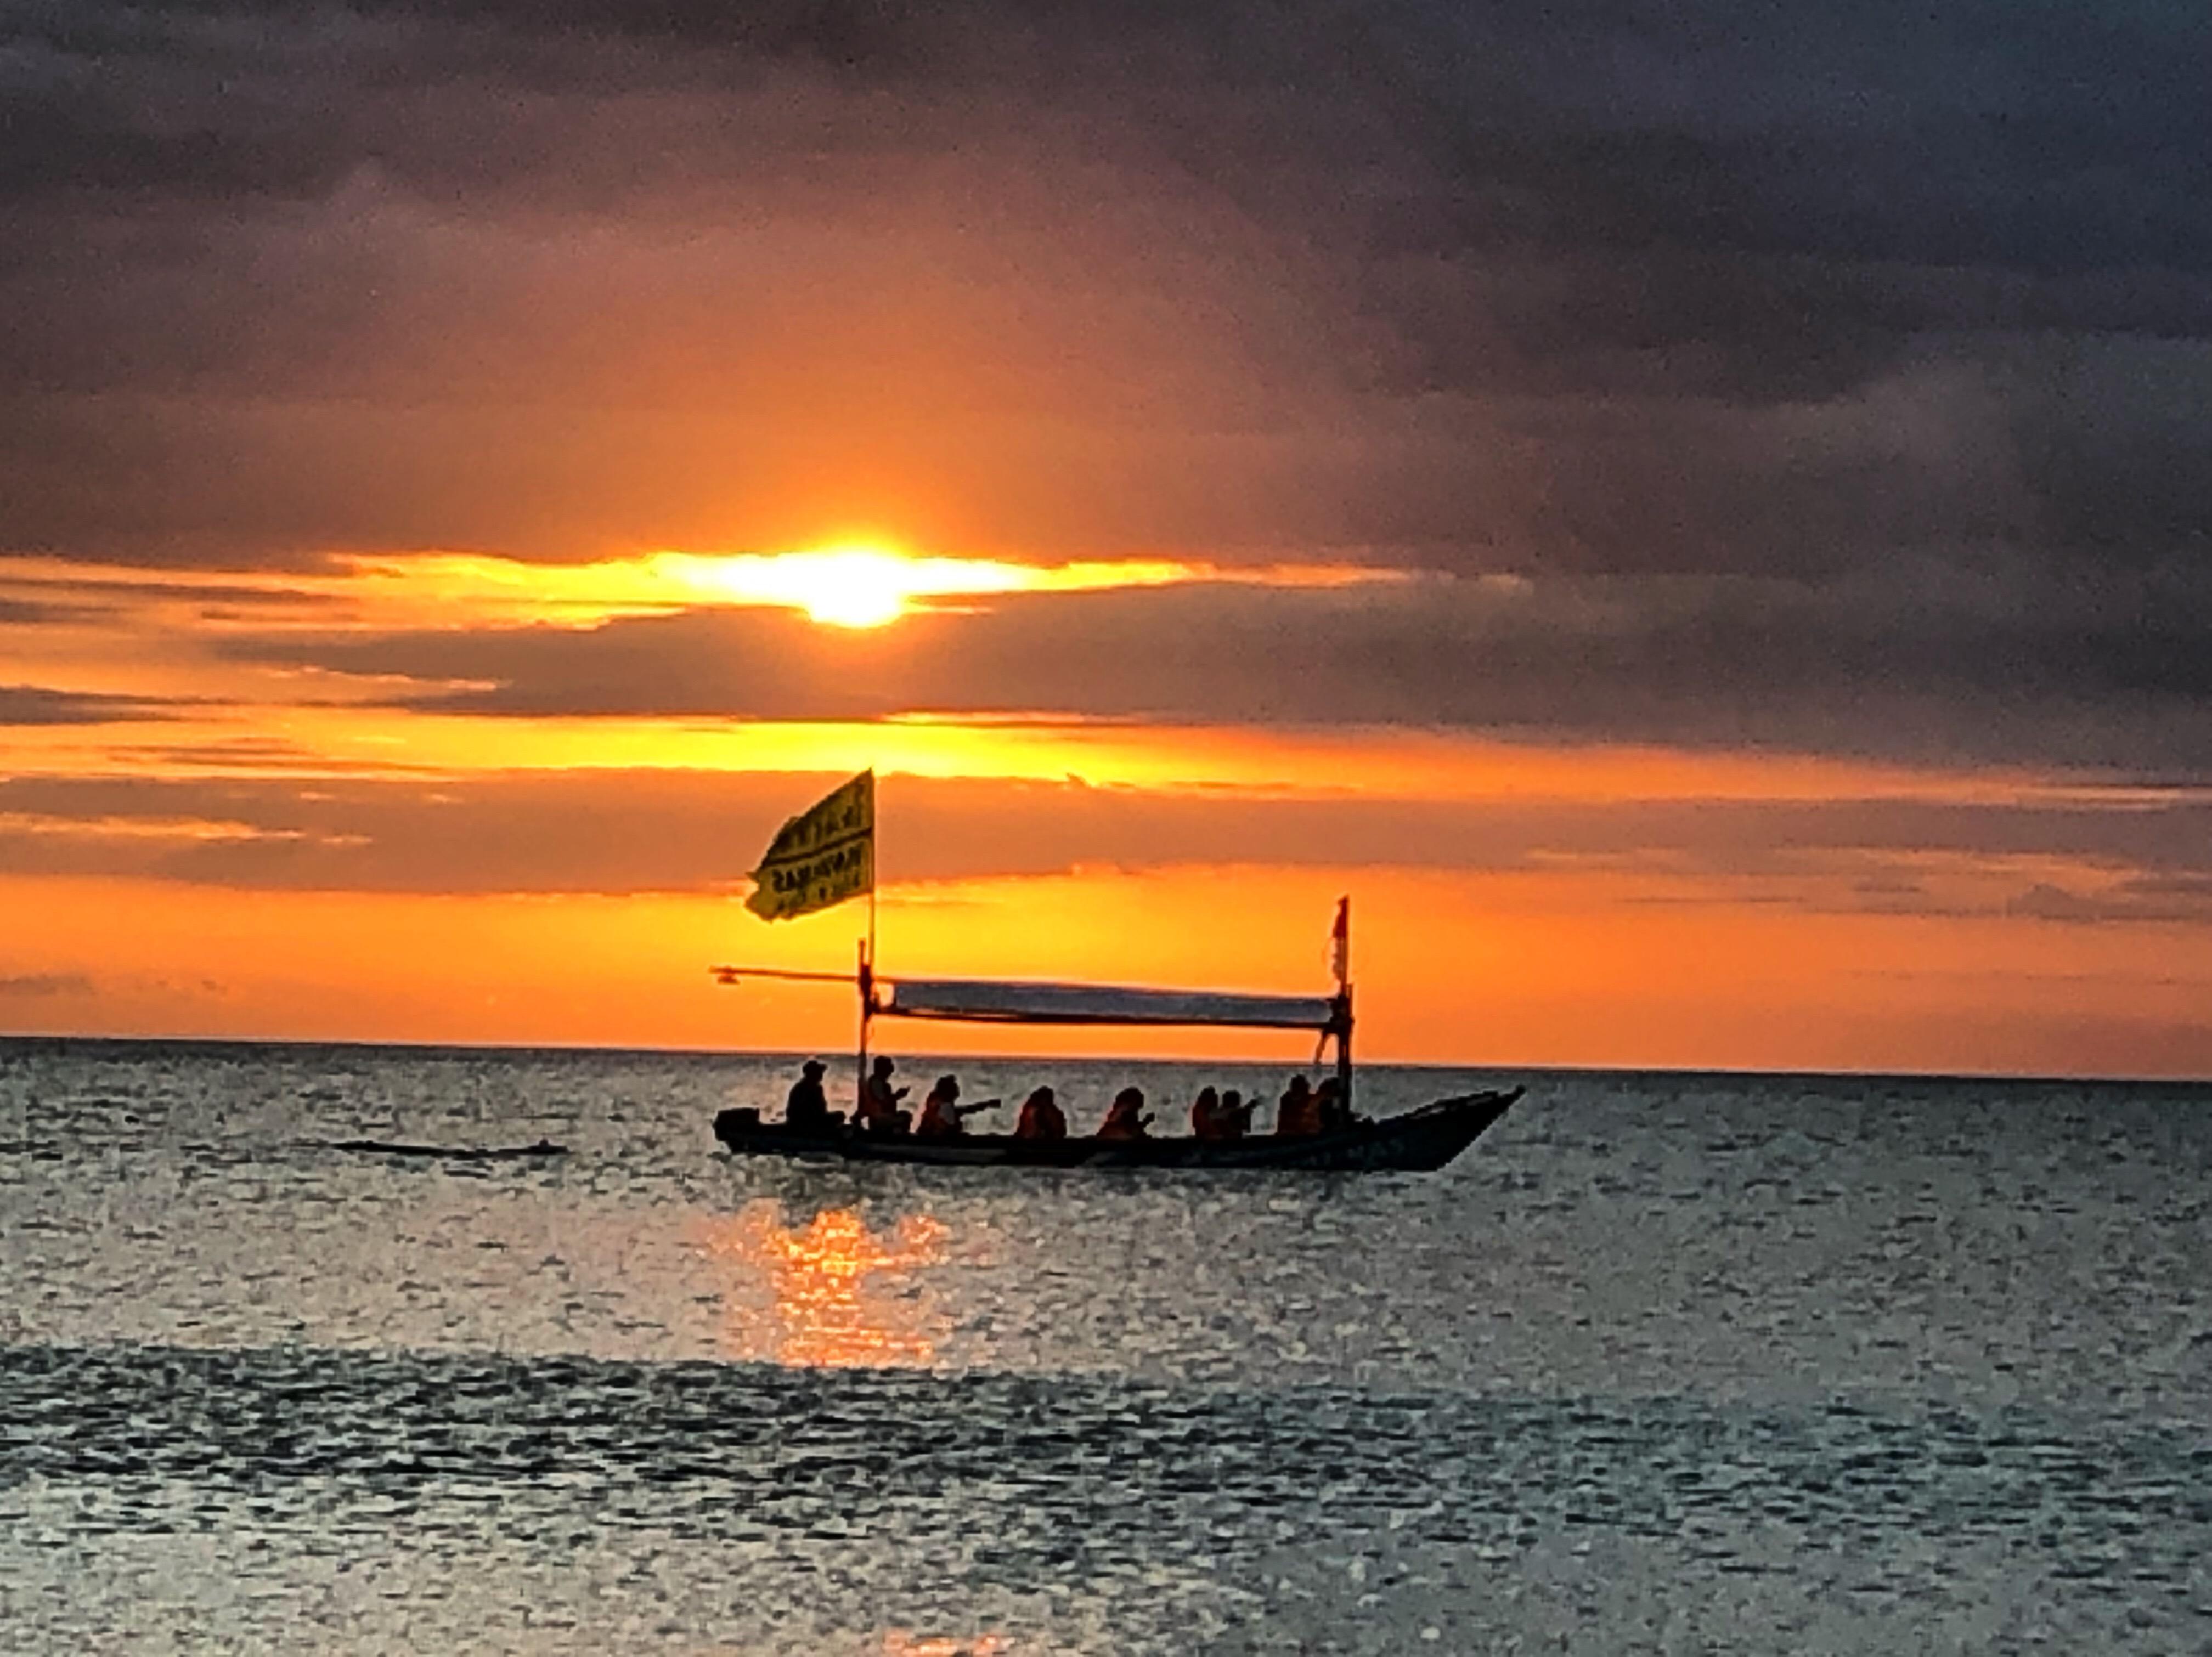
[866, 978]
[826, 855]
[819, 858]
[1340, 959]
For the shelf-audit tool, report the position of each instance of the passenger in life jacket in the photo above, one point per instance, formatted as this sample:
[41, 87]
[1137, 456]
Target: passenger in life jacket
[1206, 1115]
[1042, 1118]
[879, 1111]
[941, 1112]
[1332, 1110]
[1234, 1115]
[1125, 1117]
[1295, 1118]
[806, 1108]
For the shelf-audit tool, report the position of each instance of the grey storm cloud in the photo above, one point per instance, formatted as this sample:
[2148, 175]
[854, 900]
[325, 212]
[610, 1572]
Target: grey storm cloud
[1876, 341]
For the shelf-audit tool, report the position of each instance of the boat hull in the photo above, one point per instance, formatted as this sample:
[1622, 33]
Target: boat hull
[1416, 1142]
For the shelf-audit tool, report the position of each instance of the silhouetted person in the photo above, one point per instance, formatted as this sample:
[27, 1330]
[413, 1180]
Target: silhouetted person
[806, 1110]
[1042, 1118]
[1125, 1117]
[1205, 1115]
[1294, 1113]
[879, 1111]
[1233, 1116]
[1332, 1110]
[941, 1112]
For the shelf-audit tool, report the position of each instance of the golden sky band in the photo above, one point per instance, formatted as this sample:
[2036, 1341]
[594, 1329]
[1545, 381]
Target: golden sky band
[820, 857]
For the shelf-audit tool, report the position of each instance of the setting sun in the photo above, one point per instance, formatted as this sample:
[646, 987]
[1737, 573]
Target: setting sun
[853, 586]
[866, 585]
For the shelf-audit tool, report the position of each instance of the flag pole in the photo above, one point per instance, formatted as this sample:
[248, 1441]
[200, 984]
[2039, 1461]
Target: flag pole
[868, 950]
[865, 980]
[821, 858]
[1343, 1011]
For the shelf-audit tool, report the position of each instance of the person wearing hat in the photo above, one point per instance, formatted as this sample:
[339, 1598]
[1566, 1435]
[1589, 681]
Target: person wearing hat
[807, 1108]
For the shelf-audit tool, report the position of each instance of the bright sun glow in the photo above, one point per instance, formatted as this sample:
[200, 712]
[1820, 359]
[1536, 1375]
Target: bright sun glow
[860, 584]
[856, 587]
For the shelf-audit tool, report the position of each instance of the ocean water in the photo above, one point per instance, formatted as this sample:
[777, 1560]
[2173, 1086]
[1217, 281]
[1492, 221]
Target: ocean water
[1664, 1363]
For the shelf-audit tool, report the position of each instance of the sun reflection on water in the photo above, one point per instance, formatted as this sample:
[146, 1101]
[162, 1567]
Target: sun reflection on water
[898, 1642]
[833, 1292]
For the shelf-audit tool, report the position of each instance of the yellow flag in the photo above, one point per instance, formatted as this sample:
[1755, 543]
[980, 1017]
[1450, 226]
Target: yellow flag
[821, 857]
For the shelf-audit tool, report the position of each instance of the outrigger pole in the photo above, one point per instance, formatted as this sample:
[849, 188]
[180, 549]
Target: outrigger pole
[728, 977]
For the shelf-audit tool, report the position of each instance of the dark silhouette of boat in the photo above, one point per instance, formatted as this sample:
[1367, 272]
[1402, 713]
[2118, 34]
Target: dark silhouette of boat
[1416, 1142]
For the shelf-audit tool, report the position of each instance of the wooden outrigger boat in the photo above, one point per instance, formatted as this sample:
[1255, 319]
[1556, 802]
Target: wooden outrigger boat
[1418, 1140]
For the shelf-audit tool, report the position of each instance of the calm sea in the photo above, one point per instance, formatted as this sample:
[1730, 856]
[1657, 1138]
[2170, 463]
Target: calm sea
[1664, 1363]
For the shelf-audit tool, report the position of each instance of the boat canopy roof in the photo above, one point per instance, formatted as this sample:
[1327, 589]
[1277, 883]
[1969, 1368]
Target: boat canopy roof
[1017, 1002]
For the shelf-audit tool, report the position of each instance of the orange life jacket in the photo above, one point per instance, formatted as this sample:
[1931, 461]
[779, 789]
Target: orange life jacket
[1041, 1120]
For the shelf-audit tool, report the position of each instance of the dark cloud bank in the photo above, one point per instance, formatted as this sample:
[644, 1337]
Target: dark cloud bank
[1932, 666]
[1841, 377]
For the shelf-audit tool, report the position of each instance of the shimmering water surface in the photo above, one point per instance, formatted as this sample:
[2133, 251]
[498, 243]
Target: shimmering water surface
[1752, 1363]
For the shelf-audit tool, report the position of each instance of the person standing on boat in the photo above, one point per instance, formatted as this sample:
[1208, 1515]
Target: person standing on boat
[879, 1111]
[1295, 1116]
[807, 1109]
[1042, 1118]
[941, 1112]
[1125, 1117]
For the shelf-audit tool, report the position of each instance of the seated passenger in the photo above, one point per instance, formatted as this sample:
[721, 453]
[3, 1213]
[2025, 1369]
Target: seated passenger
[1042, 1118]
[1206, 1115]
[807, 1109]
[1125, 1117]
[941, 1112]
[879, 1111]
[1234, 1116]
[1294, 1114]
[1331, 1109]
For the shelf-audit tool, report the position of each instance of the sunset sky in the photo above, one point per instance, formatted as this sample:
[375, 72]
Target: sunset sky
[1698, 519]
